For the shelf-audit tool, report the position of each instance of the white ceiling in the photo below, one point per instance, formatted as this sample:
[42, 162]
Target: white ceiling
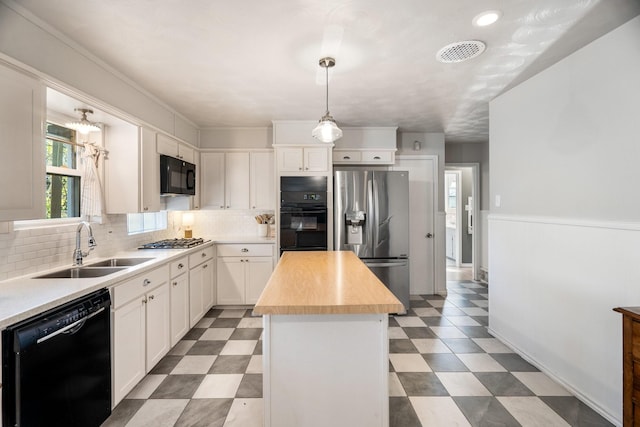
[245, 63]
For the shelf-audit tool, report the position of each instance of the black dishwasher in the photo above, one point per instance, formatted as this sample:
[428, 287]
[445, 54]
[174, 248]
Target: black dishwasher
[56, 366]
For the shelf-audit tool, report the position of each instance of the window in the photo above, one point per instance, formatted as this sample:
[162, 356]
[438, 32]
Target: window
[143, 222]
[62, 194]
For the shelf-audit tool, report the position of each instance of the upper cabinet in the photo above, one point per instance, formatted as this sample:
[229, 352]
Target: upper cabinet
[22, 107]
[262, 181]
[237, 180]
[303, 159]
[132, 181]
[174, 148]
[364, 156]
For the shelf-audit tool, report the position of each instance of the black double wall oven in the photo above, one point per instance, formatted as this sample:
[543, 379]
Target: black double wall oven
[303, 213]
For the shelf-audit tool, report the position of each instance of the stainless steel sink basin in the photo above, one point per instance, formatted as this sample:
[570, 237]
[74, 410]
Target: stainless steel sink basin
[81, 272]
[119, 262]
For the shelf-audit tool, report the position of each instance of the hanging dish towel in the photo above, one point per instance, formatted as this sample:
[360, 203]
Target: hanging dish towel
[91, 197]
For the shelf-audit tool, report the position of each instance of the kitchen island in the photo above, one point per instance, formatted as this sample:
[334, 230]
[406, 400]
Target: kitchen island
[325, 343]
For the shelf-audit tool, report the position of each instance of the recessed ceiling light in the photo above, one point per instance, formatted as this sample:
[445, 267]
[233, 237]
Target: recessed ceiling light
[486, 18]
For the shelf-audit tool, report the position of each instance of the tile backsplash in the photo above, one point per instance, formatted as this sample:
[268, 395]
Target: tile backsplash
[28, 251]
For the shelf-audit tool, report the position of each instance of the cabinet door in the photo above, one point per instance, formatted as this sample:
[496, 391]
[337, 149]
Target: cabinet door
[22, 173]
[149, 175]
[179, 307]
[230, 280]
[128, 347]
[316, 159]
[158, 325]
[262, 187]
[212, 180]
[196, 304]
[167, 146]
[290, 159]
[237, 180]
[208, 296]
[186, 153]
[257, 273]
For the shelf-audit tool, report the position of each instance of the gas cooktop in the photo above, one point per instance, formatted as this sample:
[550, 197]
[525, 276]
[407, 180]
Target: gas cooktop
[174, 244]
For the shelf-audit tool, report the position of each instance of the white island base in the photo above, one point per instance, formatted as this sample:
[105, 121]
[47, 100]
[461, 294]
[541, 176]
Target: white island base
[326, 370]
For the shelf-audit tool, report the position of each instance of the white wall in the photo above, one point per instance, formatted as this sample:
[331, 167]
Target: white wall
[564, 244]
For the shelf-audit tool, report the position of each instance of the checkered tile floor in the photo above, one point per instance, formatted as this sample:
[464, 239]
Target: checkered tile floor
[445, 370]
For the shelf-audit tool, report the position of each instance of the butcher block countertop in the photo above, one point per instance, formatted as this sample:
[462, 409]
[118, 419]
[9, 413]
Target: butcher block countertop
[325, 282]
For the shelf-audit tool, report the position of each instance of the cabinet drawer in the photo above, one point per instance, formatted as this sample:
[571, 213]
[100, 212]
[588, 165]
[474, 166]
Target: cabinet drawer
[245, 250]
[377, 156]
[200, 256]
[180, 266]
[347, 156]
[132, 288]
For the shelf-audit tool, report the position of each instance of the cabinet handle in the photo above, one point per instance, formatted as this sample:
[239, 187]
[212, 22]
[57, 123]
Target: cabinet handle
[221, 207]
[151, 297]
[246, 260]
[205, 266]
[228, 206]
[244, 250]
[175, 283]
[299, 169]
[376, 157]
[180, 266]
[144, 301]
[241, 260]
[253, 207]
[306, 168]
[146, 282]
[146, 208]
[346, 158]
[203, 254]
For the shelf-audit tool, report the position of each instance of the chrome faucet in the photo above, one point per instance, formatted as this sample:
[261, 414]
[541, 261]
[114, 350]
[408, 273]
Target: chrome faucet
[78, 254]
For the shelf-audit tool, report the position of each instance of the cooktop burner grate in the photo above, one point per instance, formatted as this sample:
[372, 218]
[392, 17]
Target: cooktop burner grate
[173, 244]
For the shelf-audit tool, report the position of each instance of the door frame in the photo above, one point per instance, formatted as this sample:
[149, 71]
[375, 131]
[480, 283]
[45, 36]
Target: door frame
[477, 224]
[439, 261]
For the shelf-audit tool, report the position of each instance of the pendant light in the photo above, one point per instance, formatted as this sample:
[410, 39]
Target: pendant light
[327, 129]
[84, 126]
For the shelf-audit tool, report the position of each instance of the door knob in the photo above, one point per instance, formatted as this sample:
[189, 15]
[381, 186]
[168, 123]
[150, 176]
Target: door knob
[429, 235]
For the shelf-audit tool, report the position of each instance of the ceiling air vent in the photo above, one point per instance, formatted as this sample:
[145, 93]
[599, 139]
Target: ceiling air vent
[460, 51]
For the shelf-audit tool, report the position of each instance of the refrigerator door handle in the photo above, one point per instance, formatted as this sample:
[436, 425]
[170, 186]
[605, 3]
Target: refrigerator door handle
[376, 210]
[386, 264]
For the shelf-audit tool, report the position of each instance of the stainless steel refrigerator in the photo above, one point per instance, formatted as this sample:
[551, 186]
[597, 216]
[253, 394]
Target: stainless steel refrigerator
[371, 209]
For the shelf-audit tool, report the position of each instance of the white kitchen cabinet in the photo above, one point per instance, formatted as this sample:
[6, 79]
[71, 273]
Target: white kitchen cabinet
[179, 299]
[141, 328]
[172, 147]
[303, 159]
[262, 186]
[132, 179]
[364, 156]
[158, 324]
[243, 272]
[22, 107]
[237, 180]
[212, 180]
[201, 284]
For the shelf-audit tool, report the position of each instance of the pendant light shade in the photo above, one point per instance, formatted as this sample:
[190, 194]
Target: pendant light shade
[84, 126]
[327, 129]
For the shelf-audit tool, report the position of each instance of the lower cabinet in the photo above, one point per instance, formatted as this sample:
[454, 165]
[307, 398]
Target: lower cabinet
[201, 284]
[179, 299]
[141, 328]
[241, 277]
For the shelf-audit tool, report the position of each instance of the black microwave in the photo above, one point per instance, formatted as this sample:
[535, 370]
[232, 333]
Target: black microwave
[177, 176]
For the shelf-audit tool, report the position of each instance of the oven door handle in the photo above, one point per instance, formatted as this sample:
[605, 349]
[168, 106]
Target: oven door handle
[302, 211]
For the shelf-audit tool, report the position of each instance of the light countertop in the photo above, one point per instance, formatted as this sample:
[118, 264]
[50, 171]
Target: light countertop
[26, 296]
[325, 282]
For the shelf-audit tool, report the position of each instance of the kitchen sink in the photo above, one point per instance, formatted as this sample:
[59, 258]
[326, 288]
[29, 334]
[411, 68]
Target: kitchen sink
[81, 272]
[119, 262]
